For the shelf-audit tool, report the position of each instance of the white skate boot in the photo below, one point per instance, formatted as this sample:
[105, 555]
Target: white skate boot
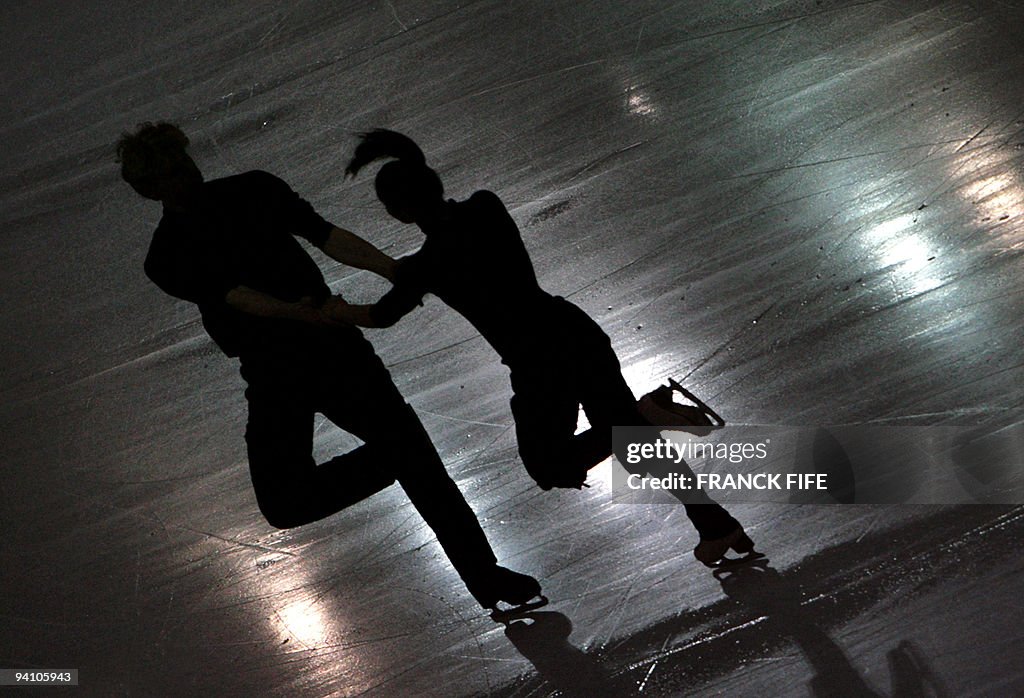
[660, 409]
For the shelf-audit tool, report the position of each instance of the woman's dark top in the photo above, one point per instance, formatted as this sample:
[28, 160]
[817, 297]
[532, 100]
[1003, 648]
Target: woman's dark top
[475, 261]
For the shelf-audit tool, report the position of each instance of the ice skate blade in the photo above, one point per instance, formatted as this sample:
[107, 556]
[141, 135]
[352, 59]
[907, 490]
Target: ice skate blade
[660, 409]
[748, 559]
[709, 552]
[507, 615]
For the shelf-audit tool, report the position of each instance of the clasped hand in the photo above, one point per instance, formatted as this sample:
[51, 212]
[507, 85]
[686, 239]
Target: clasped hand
[329, 313]
[336, 309]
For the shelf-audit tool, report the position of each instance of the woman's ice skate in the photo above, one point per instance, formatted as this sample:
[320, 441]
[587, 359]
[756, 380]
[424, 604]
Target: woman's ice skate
[660, 409]
[712, 552]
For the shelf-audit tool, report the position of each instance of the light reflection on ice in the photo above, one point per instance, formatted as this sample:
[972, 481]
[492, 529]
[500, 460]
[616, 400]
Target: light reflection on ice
[885, 231]
[304, 620]
[299, 613]
[906, 253]
[640, 102]
[640, 375]
[997, 196]
[911, 253]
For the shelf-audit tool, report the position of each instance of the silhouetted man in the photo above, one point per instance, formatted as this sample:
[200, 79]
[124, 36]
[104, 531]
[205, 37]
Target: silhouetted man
[227, 245]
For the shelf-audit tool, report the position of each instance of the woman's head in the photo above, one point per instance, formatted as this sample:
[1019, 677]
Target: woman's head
[407, 187]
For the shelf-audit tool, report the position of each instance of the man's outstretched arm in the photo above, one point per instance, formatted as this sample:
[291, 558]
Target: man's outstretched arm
[255, 302]
[296, 215]
[348, 248]
[392, 307]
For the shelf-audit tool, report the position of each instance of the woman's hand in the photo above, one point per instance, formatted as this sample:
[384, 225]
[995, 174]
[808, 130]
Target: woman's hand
[340, 311]
[337, 309]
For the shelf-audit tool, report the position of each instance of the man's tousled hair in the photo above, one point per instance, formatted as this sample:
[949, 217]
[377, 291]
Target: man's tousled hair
[150, 151]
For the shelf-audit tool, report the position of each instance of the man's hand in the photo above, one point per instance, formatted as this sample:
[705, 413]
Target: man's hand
[334, 303]
[312, 314]
[337, 309]
[262, 304]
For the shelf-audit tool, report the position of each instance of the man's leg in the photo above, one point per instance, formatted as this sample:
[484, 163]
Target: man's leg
[371, 408]
[291, 489]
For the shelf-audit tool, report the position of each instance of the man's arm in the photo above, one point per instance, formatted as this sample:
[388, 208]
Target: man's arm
[342, 312]
[295, 214]
[254, 302]
[392, 307]
[348, 248]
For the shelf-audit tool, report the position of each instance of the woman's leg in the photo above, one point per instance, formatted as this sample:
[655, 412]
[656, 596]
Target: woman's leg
[545, 420]
[609, 402]
[576, 366]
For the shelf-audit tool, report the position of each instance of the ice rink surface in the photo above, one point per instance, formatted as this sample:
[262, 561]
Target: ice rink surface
[810, 210]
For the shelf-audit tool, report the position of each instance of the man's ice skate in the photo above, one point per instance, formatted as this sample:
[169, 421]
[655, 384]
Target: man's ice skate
[562, 475]
[505, 592]
[660, 409]
[712, 552]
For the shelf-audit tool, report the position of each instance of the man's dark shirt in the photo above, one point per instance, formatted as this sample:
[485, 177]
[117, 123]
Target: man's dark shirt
[475, 261]
[240, 233]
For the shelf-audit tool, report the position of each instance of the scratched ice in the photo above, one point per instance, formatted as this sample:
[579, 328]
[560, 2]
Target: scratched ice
[811, 213]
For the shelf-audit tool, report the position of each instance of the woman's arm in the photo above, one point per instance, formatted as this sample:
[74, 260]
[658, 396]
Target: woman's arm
[392, 307]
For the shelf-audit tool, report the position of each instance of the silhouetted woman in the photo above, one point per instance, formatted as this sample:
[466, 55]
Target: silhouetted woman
[475, 261]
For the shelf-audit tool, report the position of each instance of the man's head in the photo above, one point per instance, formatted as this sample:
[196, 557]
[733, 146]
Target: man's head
[155, 163]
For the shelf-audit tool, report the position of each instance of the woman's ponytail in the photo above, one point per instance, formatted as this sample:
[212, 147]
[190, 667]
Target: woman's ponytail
[381, 143]
[406, 180]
